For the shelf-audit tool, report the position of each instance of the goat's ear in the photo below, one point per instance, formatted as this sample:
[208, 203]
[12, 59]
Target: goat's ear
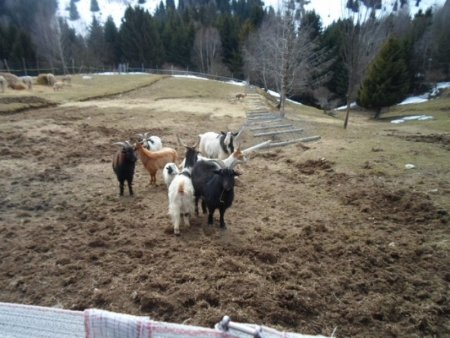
[235, 134]
[223, 133]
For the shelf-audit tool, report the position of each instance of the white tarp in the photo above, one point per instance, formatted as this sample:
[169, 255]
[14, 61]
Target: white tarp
[26, 321]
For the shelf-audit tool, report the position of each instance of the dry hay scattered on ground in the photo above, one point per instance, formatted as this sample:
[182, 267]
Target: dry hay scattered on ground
[309, 247]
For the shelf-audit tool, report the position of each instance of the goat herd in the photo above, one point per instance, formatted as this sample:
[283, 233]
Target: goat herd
[208, 177]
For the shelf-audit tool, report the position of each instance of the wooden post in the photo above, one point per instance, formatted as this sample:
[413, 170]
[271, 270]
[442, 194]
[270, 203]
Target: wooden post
[6, 65]
[24, 66]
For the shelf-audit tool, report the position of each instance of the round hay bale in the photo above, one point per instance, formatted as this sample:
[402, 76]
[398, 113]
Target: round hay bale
[18, 86]
[10, 78]
[42, 79]
[47, 79]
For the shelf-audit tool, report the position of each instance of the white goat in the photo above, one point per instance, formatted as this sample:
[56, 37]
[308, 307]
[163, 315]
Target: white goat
[170, 171]
[152, 143]
[67, 79]
[51, 79]
[181, 190]
[58, 85]
[28, 81]
[181, 199]
[214, 145]
[3, 83]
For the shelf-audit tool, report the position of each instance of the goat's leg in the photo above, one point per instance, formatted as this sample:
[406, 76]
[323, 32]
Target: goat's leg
[176, 223]
[196, 204]
[203, 206]
[130, 187]
[210, 217]
[222, 220]
[121, 185]
[186, 219]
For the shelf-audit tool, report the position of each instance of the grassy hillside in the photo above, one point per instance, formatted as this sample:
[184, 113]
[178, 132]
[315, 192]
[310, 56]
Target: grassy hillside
[81, 89]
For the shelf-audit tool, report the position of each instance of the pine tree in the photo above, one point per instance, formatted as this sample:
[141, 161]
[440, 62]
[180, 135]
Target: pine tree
[94, 6]
[112, 42]
[96, 43]
[387, 81]
[73, 11]
[140, 41]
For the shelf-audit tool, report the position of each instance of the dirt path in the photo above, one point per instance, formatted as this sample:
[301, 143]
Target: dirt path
[308, 248]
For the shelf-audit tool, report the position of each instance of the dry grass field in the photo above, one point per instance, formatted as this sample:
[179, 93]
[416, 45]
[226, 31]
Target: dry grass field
[336, 236]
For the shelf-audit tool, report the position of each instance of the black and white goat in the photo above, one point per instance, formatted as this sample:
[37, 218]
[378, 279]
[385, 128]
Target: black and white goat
[152, 143]
[124, 163]
[220, 146]
[215, 187]
[181, 190]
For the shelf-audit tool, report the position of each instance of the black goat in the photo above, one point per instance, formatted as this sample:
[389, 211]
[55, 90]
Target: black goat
[215, 187]
[124, 163]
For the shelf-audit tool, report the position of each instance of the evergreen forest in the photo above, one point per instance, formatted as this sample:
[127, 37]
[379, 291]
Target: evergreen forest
[287, 50]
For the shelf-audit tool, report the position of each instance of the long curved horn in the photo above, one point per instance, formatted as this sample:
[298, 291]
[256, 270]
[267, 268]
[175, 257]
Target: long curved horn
[180, 141]
[141, 136]
[128, 142]
[239, 133]
[122, 144]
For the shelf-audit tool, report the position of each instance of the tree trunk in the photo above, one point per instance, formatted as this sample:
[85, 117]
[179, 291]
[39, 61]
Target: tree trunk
[377, 113]
[347, 114]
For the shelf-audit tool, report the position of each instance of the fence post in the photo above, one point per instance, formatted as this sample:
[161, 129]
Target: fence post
[24, 66]
[6, 65]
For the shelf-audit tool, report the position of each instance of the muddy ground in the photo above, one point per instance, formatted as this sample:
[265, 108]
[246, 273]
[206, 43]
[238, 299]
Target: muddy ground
[308, 248]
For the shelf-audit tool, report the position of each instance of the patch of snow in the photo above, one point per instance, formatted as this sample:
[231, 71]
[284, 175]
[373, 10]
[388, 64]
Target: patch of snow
[122, 73]
[352, 105]
[191, 77]
[411, 118]
[237, 83]
[414, 99]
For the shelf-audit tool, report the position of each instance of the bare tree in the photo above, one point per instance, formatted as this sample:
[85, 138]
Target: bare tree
[46, 35]
[207, 48]
[282, 53]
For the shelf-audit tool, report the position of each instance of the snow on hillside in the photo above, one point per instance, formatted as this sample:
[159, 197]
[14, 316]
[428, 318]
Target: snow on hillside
[329, 10]
[332, 10]
[113, 8]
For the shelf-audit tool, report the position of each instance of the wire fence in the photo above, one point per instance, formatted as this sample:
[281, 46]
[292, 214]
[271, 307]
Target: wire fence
[122, 68]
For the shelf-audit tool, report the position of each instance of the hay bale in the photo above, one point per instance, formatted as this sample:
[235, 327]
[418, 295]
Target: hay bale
[18, 86]
[47, 79]
[42, 79]
[10, 78]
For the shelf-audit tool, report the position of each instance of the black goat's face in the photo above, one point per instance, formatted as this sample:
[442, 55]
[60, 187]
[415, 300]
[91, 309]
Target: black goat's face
[227, 178]
[129, 153]
[191, 157]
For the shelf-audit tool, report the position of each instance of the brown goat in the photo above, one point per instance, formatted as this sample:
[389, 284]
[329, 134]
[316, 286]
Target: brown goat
[154, 160]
